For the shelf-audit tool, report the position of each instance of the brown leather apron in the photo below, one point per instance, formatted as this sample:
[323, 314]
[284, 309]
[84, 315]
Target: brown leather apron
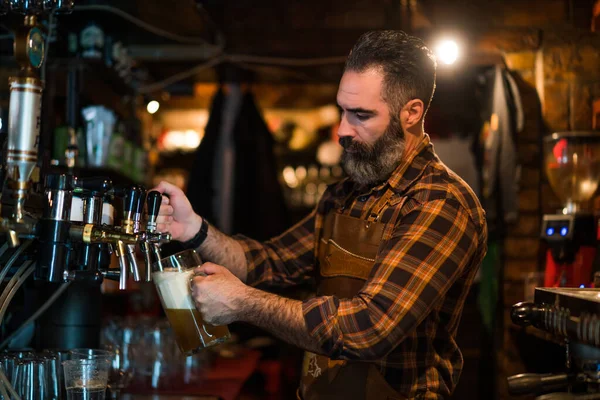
[346, 253]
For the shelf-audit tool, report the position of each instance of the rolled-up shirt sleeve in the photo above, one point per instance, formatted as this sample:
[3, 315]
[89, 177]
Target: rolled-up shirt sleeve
[430, 248]
[283, 261]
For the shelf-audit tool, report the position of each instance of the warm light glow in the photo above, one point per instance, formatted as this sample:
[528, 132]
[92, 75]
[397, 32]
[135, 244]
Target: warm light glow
[301, 173]
[289, 176]
[447, 51]
[153, 106]
[185, 140]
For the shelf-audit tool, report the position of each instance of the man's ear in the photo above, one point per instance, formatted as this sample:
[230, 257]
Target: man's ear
[412, 113]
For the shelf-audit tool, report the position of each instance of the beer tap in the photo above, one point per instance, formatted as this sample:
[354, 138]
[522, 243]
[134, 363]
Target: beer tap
[134, 227]
[97, 237]
[151, 246]
[94, 234]
[126, 253]
[139, 209]
[106, 249]
[93, 191]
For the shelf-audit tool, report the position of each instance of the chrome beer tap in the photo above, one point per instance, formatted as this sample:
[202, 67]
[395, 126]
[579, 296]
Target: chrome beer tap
[93, 191]
[125, 252]
[134, 227]
[153, 240]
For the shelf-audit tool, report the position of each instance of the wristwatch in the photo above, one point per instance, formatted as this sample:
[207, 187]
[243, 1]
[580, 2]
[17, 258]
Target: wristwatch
[199, 237]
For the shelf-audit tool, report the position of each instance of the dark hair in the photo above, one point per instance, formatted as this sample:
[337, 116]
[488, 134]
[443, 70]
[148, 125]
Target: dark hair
[408, 66]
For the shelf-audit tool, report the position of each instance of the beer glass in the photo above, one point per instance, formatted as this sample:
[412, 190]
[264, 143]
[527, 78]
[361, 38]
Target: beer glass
[173, 278]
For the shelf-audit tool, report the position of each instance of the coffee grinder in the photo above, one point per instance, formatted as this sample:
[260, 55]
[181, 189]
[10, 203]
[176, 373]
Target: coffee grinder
[572, 164]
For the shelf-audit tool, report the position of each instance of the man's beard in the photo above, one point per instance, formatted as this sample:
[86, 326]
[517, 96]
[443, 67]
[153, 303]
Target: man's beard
[370, 164]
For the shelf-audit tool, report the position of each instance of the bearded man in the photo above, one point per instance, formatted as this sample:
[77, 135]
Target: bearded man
[393, 248]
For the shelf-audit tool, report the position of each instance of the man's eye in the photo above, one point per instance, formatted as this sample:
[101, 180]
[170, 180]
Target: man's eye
[362, 117]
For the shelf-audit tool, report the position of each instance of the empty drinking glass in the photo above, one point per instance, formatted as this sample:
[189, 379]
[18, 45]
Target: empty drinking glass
[54, 359]
[8, 362]
[53, 376]
[121, 371]
[29, 379]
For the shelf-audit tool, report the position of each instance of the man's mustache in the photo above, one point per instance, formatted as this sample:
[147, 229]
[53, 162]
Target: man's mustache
[346, 141]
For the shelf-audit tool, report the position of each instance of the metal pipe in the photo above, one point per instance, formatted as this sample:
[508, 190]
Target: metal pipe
[35, 315]
[8, 294]
[12, 259]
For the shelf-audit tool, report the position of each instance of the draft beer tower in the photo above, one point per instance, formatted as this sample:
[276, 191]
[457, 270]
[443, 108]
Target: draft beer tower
[572, 164]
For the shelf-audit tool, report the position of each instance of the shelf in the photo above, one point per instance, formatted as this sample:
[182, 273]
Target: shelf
[98, 84]
[94, 70]
[86, 172]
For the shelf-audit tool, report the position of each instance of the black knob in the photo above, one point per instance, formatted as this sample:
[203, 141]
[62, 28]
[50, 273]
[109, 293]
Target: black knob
[139, 208]
[98, 186]
[59, 182]
[524, 313]
[153, 202]
[131, 198]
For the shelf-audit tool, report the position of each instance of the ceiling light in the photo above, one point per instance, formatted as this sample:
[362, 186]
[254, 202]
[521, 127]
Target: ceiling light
[153, 106]
[447, 51]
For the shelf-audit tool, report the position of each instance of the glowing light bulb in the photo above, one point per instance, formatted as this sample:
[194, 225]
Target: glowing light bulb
[153, 106]
[447, 51]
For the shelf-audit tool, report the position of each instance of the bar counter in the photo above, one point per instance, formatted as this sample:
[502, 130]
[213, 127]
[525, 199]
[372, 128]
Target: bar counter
[223, 381]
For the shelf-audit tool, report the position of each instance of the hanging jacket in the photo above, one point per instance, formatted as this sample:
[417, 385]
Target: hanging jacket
[502, 117]
[259, 209]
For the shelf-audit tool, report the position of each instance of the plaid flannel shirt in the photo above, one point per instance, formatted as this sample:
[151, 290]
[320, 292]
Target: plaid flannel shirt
[406, 316]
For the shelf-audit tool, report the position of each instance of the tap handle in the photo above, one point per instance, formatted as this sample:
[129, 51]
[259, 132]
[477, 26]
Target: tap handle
[98, 186]
[131, 197]
[139, 207]
[153, 202]
[59, 182]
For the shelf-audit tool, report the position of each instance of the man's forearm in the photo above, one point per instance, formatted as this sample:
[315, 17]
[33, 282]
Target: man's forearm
[226, 251]
[278, 315]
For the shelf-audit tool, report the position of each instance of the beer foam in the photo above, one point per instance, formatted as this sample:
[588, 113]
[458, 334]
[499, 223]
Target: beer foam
[174, 289]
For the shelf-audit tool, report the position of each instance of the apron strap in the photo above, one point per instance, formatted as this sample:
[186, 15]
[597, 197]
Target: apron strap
[346, 200]
[377, 209]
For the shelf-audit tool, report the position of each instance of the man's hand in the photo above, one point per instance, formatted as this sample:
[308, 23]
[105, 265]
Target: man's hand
[218, 294]
[176, 214]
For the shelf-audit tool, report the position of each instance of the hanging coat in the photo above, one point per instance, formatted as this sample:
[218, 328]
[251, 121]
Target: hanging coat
[259, 209]
[502, 118]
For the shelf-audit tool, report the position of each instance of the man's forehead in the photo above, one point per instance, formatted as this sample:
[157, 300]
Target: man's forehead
[359, 87]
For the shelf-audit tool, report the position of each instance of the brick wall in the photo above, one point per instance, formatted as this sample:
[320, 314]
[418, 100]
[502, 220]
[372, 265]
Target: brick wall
[559, 81]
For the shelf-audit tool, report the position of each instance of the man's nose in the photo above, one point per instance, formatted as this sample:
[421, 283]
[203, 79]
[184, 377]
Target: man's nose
[345, 129]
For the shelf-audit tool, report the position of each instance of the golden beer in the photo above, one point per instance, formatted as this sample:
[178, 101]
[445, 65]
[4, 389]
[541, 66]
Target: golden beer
[173, 284]
[192, 332]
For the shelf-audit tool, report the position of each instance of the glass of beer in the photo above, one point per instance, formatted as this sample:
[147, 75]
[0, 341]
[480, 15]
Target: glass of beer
[173, 277]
